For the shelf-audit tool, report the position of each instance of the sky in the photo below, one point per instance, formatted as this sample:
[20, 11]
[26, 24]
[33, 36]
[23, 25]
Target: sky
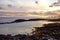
[25, 6]
[28, 5]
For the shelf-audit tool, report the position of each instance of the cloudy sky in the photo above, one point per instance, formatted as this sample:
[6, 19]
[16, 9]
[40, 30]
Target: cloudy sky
[28, 5]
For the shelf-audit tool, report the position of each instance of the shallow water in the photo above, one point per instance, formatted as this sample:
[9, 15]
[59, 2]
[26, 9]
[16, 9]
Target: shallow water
[23, 27]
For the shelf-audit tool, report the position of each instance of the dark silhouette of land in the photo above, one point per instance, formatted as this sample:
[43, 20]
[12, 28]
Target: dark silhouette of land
[37, 19]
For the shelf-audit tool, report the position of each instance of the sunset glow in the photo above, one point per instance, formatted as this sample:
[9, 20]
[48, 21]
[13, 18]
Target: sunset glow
[20, 16]
[27, 5]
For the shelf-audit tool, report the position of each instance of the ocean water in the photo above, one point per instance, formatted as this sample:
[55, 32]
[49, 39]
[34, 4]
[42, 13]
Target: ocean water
[19, 28]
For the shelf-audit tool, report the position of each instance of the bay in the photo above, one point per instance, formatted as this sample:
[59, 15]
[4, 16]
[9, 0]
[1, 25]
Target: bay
[21, 28]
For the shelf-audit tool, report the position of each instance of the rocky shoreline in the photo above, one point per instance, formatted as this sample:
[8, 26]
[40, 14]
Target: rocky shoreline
[49, 31]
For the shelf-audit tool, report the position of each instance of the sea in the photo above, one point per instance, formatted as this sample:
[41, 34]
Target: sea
[21, 27]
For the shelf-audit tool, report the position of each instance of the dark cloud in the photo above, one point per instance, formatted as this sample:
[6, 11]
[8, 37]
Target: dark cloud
[55, 4]
[9, 5]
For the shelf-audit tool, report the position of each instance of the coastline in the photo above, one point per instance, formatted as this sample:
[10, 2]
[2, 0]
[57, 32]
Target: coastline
[24, 20]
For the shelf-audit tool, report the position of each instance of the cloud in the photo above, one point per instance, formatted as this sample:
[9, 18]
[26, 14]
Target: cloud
[26, 5]
[56, 3]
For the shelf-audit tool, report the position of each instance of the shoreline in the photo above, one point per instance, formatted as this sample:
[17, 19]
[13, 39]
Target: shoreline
[24, 20]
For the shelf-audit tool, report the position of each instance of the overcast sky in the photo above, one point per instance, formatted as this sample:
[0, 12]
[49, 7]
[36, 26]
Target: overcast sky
[30, 5]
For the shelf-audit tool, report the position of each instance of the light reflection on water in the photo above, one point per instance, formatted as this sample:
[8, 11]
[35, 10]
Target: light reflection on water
[22, 27]
[17, 28]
